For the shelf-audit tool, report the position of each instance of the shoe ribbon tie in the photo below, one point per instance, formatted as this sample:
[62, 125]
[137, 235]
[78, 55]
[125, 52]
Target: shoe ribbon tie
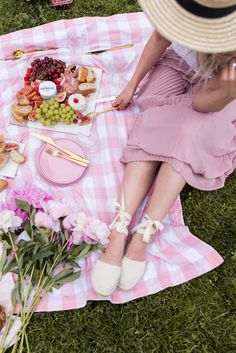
[122, 219]
[147, 227]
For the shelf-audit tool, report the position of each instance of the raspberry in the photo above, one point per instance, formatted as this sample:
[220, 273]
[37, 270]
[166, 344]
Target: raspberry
[75, 121]
[76, 100]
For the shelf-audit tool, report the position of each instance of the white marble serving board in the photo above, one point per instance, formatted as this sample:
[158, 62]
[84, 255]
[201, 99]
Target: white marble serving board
[74, 128]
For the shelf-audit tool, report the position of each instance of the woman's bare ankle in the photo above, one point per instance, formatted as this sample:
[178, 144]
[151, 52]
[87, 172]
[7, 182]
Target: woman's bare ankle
[137, 248]
[115, 249]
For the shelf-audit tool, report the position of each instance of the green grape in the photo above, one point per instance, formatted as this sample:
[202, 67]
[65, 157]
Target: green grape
[57, 117]
[51, 101]
[67, 121]
[38, 116]
[64, 110]
[38, 110]
[63, 105]
[50, 113]
[48, 122]
[63, 117]
[45, 110]
[68, 115]
[43, 121]
[68, 108]
[57, 105]
[56, 111]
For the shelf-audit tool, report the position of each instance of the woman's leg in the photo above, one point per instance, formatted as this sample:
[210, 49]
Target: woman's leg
[137, 180]
[167, 187]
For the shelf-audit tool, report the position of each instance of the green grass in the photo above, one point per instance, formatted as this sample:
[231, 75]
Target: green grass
[196, 317]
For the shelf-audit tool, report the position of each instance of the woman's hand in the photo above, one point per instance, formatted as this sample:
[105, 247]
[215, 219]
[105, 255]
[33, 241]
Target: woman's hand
[218, 91]
[125, 97]
[228, 80]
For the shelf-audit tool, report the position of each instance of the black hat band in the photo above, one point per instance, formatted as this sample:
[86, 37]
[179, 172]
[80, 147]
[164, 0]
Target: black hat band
[204, 11]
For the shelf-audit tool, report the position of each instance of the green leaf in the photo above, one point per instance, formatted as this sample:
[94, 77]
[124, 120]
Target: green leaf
[27, 227]
[42, 254]
[63, 274]
[84, 251]
[32, 216]
[69, 278]
[23, 205]
[3, 259]
[10, 266]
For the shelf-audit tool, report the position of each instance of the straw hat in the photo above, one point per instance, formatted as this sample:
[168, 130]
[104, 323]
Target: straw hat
[207, 26]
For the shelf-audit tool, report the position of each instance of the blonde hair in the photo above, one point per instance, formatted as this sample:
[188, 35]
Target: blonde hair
[209, 64]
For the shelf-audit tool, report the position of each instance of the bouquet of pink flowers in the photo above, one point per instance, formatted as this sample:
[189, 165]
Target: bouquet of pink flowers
[41, 241]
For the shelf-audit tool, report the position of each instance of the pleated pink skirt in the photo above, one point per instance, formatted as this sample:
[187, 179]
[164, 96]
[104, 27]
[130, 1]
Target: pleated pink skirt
[200, 147]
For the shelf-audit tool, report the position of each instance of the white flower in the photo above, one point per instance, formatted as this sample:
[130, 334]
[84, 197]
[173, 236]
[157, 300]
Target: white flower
[80, 221]
[9, 221]
[11, 337]
[6, 286]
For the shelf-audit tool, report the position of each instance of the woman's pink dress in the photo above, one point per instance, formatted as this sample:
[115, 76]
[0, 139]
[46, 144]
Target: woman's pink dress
[199, 146]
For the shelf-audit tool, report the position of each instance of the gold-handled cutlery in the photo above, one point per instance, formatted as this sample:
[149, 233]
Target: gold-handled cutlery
[55, 153]
[119, 47]
[17, 54]
[51, 142]
[93, 114]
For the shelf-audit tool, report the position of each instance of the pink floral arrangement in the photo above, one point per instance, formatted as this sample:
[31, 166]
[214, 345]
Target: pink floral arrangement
[41, 241]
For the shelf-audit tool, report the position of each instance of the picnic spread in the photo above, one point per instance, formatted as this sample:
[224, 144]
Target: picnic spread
[55, 79]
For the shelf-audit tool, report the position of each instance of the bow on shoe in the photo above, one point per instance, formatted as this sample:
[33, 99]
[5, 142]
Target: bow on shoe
[147, 227]
[122, 219]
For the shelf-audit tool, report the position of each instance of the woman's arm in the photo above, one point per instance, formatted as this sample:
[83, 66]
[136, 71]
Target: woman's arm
[152, 52]
[217, 92]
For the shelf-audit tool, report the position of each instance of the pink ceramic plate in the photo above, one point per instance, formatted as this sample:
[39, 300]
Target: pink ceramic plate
[58, 170]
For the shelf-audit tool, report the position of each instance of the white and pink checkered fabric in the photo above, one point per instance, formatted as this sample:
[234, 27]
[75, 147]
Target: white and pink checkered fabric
[175, 256]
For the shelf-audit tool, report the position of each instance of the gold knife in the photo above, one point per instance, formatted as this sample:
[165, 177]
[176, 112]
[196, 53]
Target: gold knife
[17, 54]
[97, 52]
[51, 142]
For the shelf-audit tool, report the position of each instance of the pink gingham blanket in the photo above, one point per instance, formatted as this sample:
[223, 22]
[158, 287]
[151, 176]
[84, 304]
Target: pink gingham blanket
[175, 256]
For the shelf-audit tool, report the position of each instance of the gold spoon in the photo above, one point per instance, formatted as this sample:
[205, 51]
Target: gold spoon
[55, 153]
[93, 114]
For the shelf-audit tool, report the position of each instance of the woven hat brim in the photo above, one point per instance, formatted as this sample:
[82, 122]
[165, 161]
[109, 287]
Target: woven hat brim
[196, 33]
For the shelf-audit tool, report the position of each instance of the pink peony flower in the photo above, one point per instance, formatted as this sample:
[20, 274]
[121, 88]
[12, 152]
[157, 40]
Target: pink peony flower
[70, 243]
[44, 220]
[77, 237]
[22, 214]
[68, 222]
[96, 232]
[76, 220]
[31, 194]
[11, 206]
[55, 209]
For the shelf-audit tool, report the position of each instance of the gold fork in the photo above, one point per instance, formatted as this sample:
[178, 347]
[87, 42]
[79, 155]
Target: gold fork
[55, 153]
[93, 114]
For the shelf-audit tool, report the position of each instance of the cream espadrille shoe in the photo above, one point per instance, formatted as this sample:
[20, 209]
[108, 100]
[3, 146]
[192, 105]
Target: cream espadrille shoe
[105, 276]
[132, 271]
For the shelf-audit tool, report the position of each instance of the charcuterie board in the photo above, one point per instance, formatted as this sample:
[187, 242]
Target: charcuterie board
[57, 96]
